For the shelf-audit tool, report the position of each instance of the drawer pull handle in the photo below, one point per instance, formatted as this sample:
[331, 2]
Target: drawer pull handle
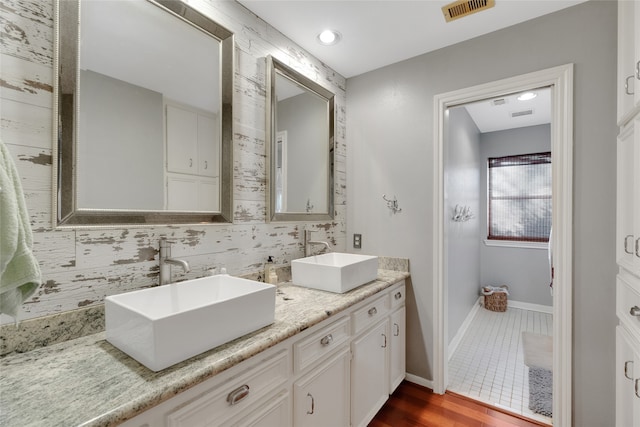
[635, 311]
[627, 85]
[372, 311]
[238, 394]
[313, 404]
[327, 340]
[398, 295]
[626, 369]
[626, 246]
[397, 331]
[636, 387]
[638, 70]
[638, 247]
[385, 340]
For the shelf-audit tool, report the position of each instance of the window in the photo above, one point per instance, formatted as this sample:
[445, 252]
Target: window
[520, 197]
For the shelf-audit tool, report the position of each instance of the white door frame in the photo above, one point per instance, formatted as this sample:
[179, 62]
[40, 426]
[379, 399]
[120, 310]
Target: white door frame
[561, 81]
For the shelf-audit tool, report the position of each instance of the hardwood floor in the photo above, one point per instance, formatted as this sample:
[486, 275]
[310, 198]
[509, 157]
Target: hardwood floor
[412, 405]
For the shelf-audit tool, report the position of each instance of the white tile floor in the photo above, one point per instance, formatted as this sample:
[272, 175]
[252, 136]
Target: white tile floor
[488, 365]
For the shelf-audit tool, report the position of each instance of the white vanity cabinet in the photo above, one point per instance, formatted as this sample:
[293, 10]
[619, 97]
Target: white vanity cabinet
[628, 217]
[337, 373]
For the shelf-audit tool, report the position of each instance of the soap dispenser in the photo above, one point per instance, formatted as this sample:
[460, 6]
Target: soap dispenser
[270, 275]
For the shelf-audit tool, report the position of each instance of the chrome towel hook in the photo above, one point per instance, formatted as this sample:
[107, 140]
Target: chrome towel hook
[392, 204]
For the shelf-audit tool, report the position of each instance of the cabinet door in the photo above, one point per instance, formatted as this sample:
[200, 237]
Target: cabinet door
[624, 379]
[627, 379]
[321, 398]
[635, 187]
[625, 248]
[208, 195]
[397, 365]
[369, 373]
[208, 145]
[628, 58]
[182, 192]
[274, 413]
[182, 140]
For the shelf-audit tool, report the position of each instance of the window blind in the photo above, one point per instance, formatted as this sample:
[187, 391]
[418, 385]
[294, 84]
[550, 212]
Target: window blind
[519, 197]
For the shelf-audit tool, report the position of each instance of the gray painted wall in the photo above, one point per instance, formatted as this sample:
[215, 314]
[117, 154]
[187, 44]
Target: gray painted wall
[525, 271]
[390, 133]
[462, 187]
[121, 129]
[304, 119]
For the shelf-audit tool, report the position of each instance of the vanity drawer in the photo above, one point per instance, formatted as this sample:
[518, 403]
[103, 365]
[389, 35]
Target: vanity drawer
[234, 396]
[313, 348]
[370, 313]
[397, 295]
[628, 302]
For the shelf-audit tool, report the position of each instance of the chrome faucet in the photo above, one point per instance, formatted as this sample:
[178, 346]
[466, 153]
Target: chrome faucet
[308, 242]
[166, 262]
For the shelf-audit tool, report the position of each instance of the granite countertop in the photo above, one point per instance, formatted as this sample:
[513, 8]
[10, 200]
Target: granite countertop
[89, 382]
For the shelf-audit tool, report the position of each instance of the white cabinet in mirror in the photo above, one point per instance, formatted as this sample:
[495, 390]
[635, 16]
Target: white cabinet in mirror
[143, 113]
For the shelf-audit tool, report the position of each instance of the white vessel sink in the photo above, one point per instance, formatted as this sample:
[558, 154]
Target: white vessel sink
[167, 324]
[334, 272]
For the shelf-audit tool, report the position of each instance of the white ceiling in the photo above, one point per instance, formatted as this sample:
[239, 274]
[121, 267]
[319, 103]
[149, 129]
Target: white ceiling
[490, 117]
[376, 33]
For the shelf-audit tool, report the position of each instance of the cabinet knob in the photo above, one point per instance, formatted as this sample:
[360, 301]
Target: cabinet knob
[398, 295]
[326, 340]
[238, 394]
[397, 331]
[384, 336]
[627, 85]
[313, 404]
[626, 245]
[190, 163]
[638, 70]
[636, 387]
[626, 369]
[635, 311]
[638, 247]
[206, 165]
[372, 311]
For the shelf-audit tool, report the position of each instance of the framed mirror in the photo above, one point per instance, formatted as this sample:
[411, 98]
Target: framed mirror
[143, 114]
[300, 146]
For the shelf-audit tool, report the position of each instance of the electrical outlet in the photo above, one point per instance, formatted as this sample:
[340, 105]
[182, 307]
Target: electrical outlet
[357, 241]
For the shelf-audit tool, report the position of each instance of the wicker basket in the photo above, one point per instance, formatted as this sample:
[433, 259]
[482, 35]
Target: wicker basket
[497, 301]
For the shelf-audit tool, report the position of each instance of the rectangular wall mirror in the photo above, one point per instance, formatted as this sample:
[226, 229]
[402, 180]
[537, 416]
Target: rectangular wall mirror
[143, 114]
[300, 141]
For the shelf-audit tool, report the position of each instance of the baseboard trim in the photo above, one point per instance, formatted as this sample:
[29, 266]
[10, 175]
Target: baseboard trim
[531, 307]
[455, 342]
[419, 380]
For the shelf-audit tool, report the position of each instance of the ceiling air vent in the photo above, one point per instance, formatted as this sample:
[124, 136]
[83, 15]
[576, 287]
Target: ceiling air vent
[462, 8]
[522, 113]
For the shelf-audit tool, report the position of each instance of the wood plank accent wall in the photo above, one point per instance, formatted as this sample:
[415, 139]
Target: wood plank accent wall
[80, 267]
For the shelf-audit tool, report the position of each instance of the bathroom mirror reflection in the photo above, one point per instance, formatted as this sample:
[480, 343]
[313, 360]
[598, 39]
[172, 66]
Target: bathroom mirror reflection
[300, 134]
[143, 114]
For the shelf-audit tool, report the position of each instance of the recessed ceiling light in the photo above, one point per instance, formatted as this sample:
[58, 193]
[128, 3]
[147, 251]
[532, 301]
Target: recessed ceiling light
[527, 96]
[329, 37]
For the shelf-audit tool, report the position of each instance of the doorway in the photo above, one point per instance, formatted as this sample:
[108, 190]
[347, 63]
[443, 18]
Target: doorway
[559, 79]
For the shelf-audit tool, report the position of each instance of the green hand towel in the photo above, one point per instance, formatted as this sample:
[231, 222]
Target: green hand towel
[19, 270]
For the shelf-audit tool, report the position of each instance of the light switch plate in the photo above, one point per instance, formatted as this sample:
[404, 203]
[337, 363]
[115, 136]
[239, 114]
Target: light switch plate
[357, 241]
